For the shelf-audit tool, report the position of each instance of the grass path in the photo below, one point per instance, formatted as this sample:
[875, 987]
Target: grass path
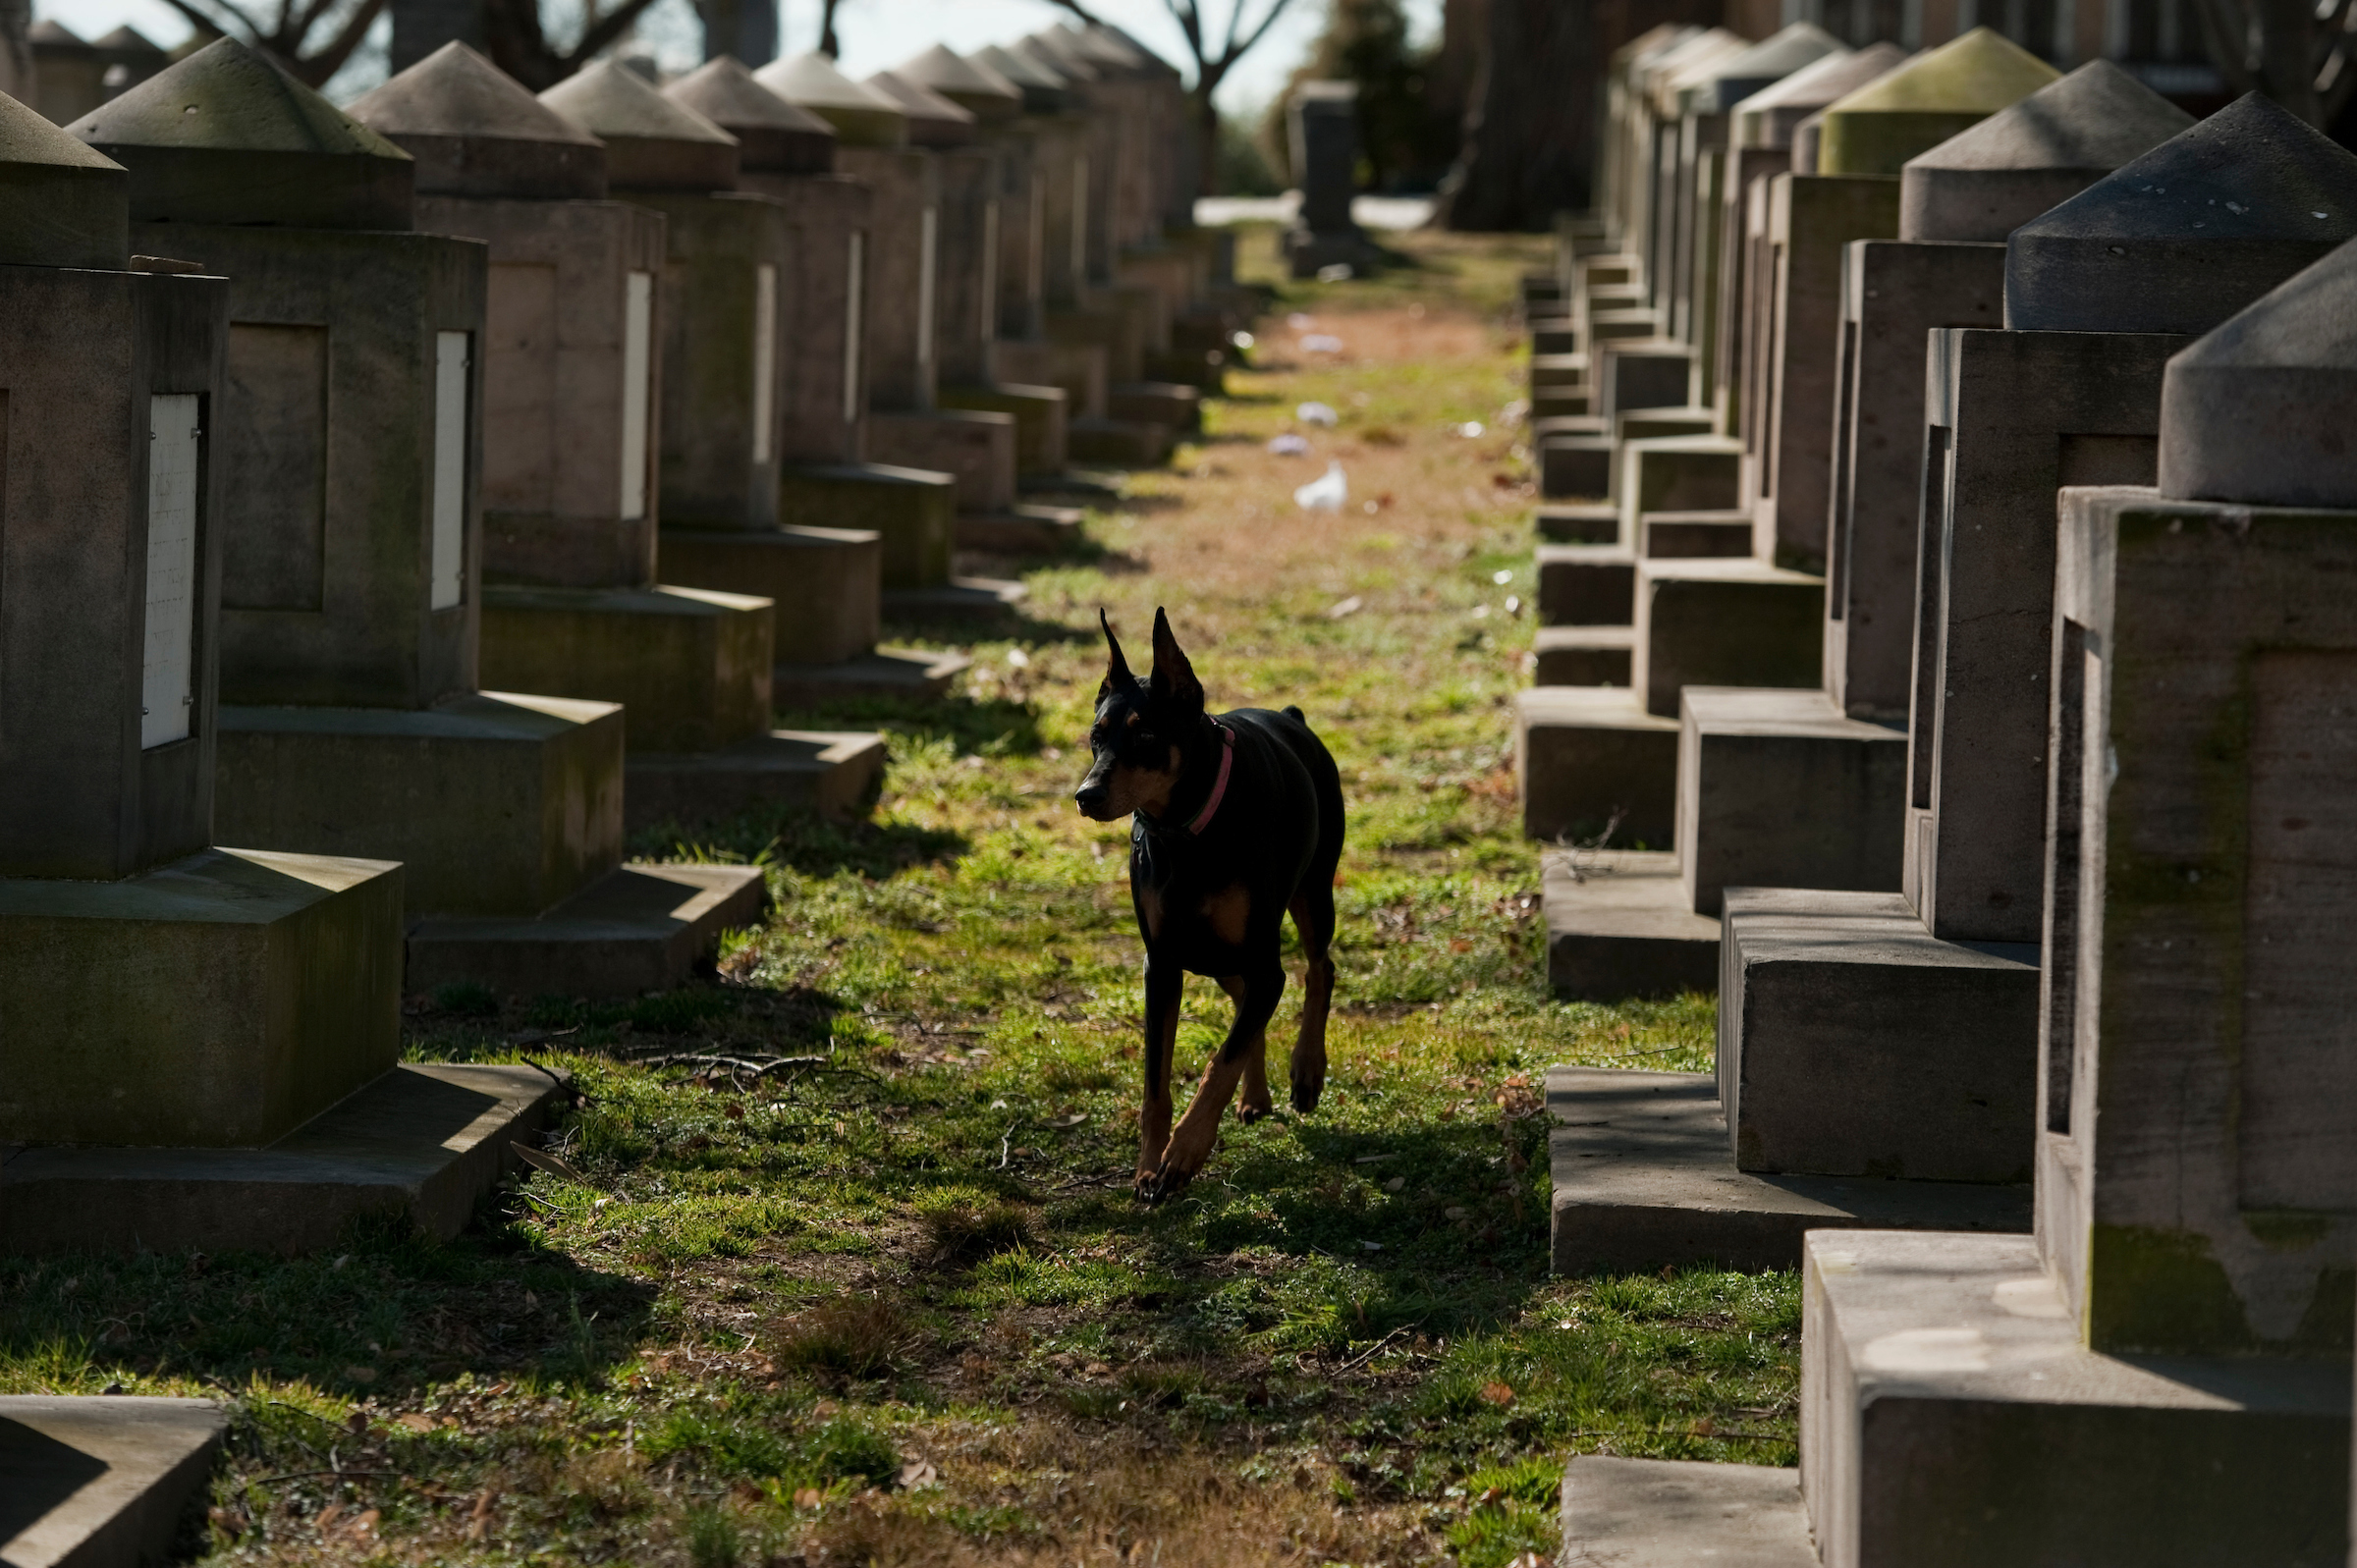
[847, 1270]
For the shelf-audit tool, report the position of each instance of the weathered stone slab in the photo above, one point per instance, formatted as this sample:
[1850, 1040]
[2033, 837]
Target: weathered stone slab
[912, 511]
[1586, 585]
[1934, 1044]
[822, 583]
[423, 1141]
[1779, 788]
[494, 802]
[1675, 1513]
[642, 927]
[690, 666]
[1953, 1418]
[1589, 524]
[976, 449]
[1584, 756]
[918, 673]
[1705, 622]
[833, 773]
[244, 990]
[1892, 295]
[104, 1480]
[1583, 656]
[1643, 1181]
[1621, 926]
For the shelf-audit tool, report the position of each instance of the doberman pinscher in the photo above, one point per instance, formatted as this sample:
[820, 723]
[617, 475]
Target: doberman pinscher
[1233, 822]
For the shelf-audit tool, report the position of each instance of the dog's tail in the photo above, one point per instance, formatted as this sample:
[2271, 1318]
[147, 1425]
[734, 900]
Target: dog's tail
[1294, 714]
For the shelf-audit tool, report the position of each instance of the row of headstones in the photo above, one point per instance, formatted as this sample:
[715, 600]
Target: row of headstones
[2032, 999]
[324, 421]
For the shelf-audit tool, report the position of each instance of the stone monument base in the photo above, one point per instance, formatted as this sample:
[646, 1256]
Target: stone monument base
[1721, 533]
[641, 927]
[822, 583]
[423, 1141]
[1025, 528]
[1075, 369]
[1933, 1045]
[912, 510]
[1779, 788]
[690, 666]
[1583, 656]
[1121, 443]
[1952, 1416]
[1584, 755]
[493, 803]
[1643, 1180]
[1621, 927]
[104, 1480]
[914, 675]
[1161, 403]
[223, 998]
[974, 446]
[959, 599]
[1680, 1513]
[1589, 523]
[1720, 622]
[1307, 253]
[1586, 585]
[834, 773]
[1042, 416]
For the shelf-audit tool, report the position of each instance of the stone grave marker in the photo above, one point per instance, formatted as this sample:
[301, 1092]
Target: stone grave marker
[252, 996]
[572, 404]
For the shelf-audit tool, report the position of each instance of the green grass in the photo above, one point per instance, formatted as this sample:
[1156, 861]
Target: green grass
[893, 1301]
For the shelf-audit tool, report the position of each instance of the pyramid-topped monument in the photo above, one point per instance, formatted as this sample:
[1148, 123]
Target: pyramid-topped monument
[773, 136]
[298, 159]
[477, 131]
[653, 142]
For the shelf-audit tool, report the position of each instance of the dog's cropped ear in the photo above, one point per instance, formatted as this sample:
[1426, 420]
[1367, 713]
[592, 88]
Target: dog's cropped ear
[1117, 673]
[1174, 679]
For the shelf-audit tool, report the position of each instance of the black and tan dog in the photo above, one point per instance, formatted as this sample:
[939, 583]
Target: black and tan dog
[1234, 821]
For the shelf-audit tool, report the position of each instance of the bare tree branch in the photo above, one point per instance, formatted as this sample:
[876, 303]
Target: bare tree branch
[1077, 10]
[2223, 28]
[608, 28]
[320, 67]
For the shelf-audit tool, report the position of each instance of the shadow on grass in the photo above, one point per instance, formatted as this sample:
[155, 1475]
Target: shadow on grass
[805, 842]
[389, 1311]
[901, 627]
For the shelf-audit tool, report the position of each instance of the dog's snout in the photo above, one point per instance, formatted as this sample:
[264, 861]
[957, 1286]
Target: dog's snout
[1091, 798]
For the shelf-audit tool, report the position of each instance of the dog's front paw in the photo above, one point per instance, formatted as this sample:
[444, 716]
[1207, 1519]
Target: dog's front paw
[1166, 1182]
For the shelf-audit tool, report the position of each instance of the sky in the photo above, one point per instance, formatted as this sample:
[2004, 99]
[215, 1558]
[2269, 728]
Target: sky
[874, 34]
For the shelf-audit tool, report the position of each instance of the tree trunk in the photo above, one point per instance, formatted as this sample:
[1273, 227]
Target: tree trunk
[1531, 136]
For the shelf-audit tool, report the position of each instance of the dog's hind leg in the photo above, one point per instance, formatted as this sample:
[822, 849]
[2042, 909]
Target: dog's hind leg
[1164, 984]
[1255, 1102]
[1313, 918]
[1190, 1144]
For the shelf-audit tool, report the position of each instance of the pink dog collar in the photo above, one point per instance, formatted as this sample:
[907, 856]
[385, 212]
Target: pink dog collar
[1219, 785]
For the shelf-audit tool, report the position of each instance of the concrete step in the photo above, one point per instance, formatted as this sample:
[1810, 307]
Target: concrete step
[1572, 424]
[1619, 926]
[1549, 370]
[975, 447]
[1583, 656]
[834, 773]
[1781, 788]
[1933, 1042]
[685, 662]
[1574, 467]
[103, 1480]
[1041, 415]
[1578, 523]
[1644, 1180]
[1693, 535]
[1586, 585]
[959, 598]
[1560, 403]
[1653, 424]
[1585, 754]
[1096, 485]
[423, 1141]
[1162, 402]
[919, 675]
[1679, 474]
[1126, 443]
[641, 927]
[1724, 623]
[1554, 335]
[1952, 1396]
[1677, 1513]
[822, 583]
[1635, 370]
[1026, 528]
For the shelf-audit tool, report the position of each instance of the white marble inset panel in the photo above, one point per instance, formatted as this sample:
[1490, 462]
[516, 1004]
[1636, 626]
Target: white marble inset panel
[854, 326]
[637, 370]
[449, 563]
[167, 675]
[765, 357]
